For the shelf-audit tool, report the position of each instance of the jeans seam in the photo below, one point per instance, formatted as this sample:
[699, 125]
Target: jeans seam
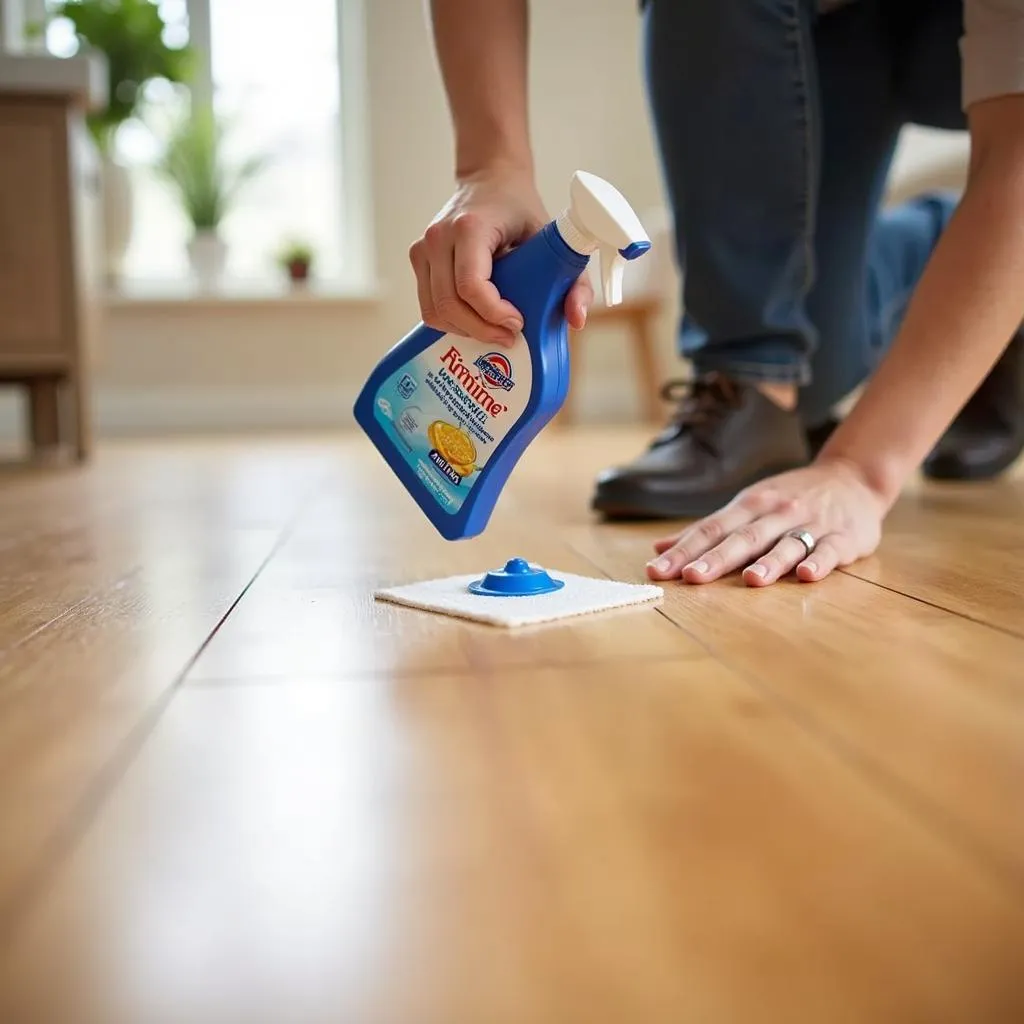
[808, 128]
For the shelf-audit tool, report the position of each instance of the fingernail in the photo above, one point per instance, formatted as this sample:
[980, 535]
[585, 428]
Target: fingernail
[513, 324]
[701, 567]
[583, 316]
[757, 570]
[661, 564]
[812, 566]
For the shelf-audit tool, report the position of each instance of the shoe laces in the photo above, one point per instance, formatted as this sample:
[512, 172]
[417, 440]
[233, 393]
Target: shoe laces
[700, 403]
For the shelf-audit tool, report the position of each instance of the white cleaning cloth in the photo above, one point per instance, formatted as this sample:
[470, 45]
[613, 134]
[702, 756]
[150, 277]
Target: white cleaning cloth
[580, 596]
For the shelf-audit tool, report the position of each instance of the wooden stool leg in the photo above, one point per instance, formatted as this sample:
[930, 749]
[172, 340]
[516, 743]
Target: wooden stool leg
[44, 414]
[647, 364]
[79, 397]
[567, 414]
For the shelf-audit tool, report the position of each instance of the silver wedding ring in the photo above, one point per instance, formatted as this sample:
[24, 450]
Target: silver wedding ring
[805, 538]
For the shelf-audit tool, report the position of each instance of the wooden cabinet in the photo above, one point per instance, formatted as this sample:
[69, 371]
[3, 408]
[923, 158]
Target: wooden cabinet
[50, 296]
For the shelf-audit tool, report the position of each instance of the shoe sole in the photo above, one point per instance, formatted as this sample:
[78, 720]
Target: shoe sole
[649, 507]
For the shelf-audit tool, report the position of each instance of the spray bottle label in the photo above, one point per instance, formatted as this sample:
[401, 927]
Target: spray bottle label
[450, 407]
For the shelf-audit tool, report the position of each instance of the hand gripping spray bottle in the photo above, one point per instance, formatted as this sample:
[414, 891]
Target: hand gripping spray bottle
[452, 415]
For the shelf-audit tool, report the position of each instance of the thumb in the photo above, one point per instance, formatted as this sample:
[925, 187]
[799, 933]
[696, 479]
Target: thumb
[578, 302]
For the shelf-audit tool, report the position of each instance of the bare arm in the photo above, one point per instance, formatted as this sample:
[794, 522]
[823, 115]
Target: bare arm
[966, 307]
[968, 304]
[482, 49]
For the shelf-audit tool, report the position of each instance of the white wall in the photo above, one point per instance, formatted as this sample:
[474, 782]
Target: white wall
[237, 367]
[262, 366]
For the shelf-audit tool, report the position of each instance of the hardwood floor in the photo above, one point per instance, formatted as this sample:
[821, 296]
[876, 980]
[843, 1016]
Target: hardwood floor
[234, 788]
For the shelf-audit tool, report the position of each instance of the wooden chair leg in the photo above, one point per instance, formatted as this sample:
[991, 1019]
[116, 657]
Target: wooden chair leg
[44, 419]
[647, 365]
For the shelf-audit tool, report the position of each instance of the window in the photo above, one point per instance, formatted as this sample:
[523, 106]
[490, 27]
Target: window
[273, 72]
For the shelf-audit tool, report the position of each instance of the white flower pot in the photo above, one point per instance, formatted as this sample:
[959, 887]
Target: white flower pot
[117, 217]
[207, 255]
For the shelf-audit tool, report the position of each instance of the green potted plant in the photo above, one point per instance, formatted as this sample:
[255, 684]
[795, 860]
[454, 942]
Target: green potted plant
[206, 184]
[296, 257]
[131, 36]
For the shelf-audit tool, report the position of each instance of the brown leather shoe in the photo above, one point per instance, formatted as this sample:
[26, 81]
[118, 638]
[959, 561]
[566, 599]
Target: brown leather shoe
[988, 435]
[723, 437]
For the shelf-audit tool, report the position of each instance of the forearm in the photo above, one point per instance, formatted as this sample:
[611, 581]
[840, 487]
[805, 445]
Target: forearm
[482, 49]
[968, 304]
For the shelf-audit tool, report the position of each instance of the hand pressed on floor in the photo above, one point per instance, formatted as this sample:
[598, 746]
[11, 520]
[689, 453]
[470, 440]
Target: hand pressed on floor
[830, 500]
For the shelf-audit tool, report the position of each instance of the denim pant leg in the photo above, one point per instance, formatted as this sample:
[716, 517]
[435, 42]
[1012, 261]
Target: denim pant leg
[869, 262]
[902, 241]
[731, 86]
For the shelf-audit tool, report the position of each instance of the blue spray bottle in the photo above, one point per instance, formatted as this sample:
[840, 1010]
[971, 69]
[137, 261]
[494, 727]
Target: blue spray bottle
[452, 415]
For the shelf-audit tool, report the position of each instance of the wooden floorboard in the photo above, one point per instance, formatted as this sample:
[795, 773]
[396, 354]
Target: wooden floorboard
[312, 611]
[234, 787]
[932, 701]
[537, 846]
[958, 547]
[112, 581]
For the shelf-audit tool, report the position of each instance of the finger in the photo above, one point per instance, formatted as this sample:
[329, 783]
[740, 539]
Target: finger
[449, 306]
[782, 559]
[664, 543]
[421, 270]
[473, 265]
[421, 267]
[822, 560]
[578, 302]
[749, 541]
[688, 546]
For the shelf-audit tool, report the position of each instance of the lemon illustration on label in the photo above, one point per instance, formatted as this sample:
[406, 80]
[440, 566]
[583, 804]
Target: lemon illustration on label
[454, 445]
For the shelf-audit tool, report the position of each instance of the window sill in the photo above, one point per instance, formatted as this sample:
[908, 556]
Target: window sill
[168, 296]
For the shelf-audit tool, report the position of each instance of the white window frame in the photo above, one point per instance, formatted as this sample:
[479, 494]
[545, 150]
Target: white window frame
[14, 16]
[358, 262]
[358, 258]
[359, 252]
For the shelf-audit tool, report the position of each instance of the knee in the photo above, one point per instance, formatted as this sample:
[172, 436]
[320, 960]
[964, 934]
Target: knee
[905, 236]
[925, 215]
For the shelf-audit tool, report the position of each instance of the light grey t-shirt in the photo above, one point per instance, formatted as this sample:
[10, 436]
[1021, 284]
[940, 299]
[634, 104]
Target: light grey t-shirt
[991, 48]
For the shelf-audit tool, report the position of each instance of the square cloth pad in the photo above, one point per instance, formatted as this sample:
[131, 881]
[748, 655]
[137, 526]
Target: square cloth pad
[580, 596]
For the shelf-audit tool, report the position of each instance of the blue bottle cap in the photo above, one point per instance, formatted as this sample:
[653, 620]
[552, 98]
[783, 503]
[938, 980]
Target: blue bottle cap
[517, 579]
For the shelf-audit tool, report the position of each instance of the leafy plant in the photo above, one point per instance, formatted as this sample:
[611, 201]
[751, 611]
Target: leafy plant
[295, 253]
[297, 258]
[130, 35]
[195, 166]
[33, 31]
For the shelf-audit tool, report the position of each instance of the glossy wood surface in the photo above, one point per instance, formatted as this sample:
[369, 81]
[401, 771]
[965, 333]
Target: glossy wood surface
[235, 788]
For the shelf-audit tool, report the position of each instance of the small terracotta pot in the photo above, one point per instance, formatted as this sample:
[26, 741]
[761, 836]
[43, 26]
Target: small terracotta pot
[298, 270]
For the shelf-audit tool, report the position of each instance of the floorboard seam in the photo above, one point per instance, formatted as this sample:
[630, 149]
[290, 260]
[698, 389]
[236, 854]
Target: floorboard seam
[932, 604]
[69, 833]
[904, 796]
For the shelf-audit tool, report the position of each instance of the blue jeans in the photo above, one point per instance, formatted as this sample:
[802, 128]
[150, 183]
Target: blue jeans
[776, 128]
